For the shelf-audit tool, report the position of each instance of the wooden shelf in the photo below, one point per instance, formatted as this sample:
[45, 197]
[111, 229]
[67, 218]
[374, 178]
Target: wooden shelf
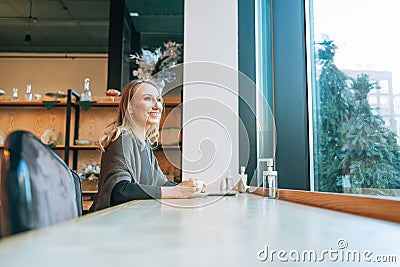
[86, 205]
[82, 125]
[106, 104]
[169, 102]
[84, 147]
[62, 103]
[89, 191]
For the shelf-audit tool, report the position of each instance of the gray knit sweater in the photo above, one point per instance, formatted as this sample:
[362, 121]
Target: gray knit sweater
[122, 161]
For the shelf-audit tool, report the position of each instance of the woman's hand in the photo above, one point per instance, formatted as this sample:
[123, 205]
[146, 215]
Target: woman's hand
[185, 189]
[188, 183]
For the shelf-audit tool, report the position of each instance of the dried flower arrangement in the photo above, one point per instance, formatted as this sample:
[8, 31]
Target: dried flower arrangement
[90, 172]
[151, 63]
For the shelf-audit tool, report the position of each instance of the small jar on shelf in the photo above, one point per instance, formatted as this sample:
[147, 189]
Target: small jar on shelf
[28, 94]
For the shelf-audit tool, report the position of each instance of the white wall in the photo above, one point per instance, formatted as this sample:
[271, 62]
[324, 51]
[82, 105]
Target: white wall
[210, 91]
[53, 72]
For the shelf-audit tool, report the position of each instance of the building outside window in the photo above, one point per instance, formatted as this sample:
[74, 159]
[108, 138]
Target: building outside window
[354, 84]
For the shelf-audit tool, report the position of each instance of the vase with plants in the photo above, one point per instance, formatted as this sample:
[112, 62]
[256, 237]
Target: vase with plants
[90, 176]
[156, 65]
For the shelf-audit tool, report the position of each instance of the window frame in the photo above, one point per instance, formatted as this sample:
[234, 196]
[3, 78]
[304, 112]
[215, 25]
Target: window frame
[290, 94]
[290, 46]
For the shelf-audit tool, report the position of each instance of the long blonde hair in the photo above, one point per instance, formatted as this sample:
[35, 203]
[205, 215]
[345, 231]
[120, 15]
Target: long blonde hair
[113, 131]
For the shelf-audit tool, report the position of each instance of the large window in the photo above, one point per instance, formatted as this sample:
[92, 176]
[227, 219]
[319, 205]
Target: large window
[354, 82]
[266, 139]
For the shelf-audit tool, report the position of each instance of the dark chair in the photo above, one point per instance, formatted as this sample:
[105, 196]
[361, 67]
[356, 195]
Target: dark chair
[37, 188]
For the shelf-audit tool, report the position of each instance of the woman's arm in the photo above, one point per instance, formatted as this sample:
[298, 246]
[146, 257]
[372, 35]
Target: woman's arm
[125, 191]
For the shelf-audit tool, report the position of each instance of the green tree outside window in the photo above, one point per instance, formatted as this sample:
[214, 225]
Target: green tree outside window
[354, 151]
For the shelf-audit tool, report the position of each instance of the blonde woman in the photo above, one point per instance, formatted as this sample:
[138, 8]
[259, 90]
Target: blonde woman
[129, 169]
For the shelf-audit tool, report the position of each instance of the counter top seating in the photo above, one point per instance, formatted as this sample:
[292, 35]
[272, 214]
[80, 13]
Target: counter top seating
[241, 230]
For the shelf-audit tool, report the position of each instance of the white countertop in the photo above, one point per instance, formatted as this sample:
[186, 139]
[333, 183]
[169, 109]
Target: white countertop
[228, 231]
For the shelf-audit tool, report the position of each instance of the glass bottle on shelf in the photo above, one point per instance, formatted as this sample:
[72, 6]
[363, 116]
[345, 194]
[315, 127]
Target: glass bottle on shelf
[2, 138]
[15, 94]
[86, 94]
[269, 179]
[28, 94]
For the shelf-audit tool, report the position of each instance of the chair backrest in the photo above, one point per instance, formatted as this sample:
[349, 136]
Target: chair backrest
[78, 192]
[37, 188]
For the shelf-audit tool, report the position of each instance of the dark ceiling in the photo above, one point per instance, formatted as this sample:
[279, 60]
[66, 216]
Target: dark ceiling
[81, 26]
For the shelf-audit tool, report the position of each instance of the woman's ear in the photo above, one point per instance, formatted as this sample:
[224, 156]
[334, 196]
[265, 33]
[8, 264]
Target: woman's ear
[130, 109]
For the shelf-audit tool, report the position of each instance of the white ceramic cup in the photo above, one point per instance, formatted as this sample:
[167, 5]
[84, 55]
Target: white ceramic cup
[199, 185]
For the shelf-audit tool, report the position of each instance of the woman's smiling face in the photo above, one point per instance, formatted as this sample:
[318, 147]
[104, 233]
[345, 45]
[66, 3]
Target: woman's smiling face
[146, 105]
